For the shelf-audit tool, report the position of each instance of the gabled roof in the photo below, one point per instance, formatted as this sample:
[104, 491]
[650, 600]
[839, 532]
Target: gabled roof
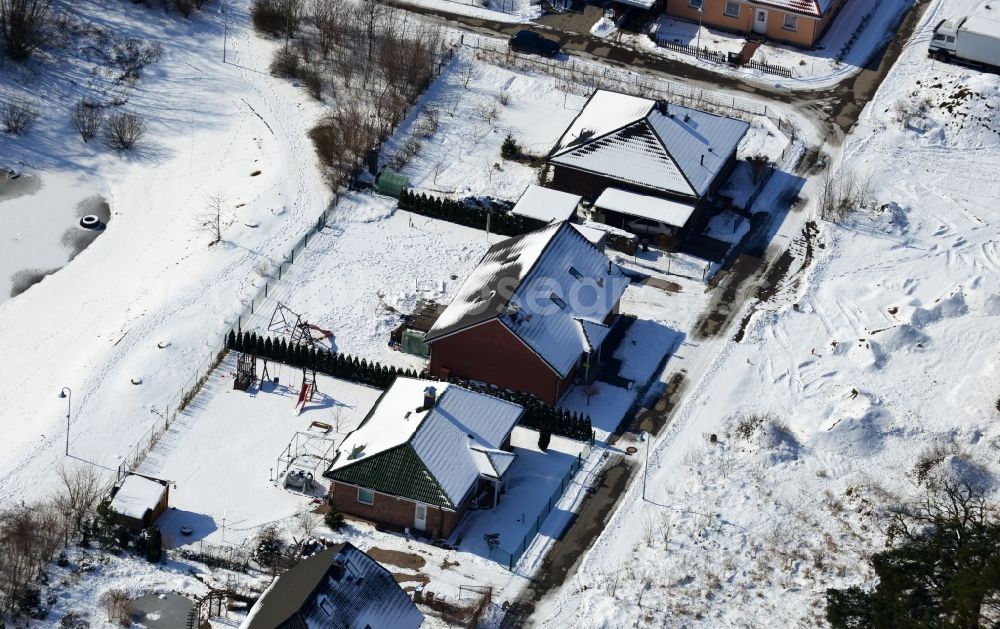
[660, 146]
[539, 285]
[812, 8]
[428, 455]
[546, 204]
[314, 594]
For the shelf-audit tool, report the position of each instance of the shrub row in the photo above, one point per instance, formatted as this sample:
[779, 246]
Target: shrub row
[538, 415]
[501, 222]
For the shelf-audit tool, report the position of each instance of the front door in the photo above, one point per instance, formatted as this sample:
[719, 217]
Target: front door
[760, 21]
[420, 518]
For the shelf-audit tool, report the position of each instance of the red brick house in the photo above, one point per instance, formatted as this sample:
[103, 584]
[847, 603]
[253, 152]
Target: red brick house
[797, 22]
[532, 314]
[641, 150]
[424, 455]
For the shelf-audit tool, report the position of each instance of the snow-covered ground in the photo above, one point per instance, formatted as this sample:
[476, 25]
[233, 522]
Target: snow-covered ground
[867, 22]
[150, 278]
[496, 10]
[879, 350]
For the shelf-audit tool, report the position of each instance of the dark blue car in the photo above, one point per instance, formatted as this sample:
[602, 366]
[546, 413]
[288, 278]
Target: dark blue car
[531, 42]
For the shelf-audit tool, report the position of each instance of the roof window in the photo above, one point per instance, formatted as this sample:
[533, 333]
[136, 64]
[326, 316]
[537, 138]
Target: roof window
[575, 273]
[557, 300]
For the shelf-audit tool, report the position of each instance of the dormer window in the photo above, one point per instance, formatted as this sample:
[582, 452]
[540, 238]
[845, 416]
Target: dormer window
[575, 273]
[557, 300]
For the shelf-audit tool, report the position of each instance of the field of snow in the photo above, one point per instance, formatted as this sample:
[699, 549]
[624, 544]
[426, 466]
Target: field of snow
[879, 351]
[811, 69]
[372, 256]
[150, 278]
[476, 105]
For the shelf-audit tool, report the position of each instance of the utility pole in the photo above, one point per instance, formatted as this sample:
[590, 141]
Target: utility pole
[68, 394]
[645, 469]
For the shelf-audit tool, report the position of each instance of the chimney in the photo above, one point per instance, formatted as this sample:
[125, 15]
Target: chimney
[339, 569]
[702, 159]
[663, 107]
[430, 396]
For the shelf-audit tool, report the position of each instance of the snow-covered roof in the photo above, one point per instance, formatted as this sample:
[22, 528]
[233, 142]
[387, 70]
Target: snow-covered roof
[316, 595]
[453, 440]
[640, 4]
[982, 26]
[546, 205]
[655, 145]
[812, 8]
[136, 496]
[539, 286]
[654, 208]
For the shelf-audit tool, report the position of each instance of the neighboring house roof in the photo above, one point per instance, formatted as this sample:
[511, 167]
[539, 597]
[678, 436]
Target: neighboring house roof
[812, 8]
[546, 204]
[649, 143]
[137, 495]
[666, 211]
[433, 455]
[540, 286]
[317, 594]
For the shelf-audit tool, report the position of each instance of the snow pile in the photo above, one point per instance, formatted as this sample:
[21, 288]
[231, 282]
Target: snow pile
[604, 27]
[950, 107]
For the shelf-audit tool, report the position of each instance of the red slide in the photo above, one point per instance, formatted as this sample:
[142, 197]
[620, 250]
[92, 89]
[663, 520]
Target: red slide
[303, 395]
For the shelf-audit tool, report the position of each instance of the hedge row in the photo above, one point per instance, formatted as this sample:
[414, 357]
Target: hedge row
[538, 415]
[501, 222]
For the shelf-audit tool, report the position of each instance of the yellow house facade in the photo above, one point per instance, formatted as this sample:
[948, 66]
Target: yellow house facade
[796, 22]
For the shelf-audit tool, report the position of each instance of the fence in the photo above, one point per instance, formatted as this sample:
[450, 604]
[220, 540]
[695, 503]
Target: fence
[511, 558]
[768, 68]
[593, 75]
[703, 53]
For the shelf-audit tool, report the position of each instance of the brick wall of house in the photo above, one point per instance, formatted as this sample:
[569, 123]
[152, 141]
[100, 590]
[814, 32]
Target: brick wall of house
[590, 186]
[807, 33]
[395, 512]
[491, 353]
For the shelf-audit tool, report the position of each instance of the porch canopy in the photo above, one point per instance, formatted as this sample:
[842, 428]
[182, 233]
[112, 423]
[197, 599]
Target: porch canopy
[674, 213]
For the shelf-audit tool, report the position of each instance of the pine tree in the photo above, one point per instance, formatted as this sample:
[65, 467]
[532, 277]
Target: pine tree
[268, 348]
[231, 341]
[282, 352]
[154, 546]
[245, 342]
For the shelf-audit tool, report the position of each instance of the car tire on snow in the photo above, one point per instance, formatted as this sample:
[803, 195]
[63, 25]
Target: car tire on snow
[90, 221]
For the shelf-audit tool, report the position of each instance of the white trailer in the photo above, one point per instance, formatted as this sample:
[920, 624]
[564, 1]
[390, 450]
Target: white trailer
[974, 40]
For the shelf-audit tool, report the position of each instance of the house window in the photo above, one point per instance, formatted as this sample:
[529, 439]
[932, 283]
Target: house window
[557, 300]
[578, 275]
[733, 9]
[695, 4]
[366, 496]
[791, 23]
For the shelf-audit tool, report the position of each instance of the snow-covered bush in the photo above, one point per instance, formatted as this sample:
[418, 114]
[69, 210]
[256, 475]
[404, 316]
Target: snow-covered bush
[22, 26]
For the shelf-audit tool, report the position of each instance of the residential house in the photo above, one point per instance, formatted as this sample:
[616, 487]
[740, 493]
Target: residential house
[425, 454]
[337, 588]
[531, 315]
[644, 150]
[139, 501]
[797, 22]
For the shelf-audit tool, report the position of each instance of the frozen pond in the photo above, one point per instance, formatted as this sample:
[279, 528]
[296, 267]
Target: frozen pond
[41, 231]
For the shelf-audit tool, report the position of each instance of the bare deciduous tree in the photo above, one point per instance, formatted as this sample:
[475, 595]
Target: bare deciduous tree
[17, 115]
[87, 118]
[22, 26]
[29, 536]
[82, 488]
[123, 130]
[211, 219]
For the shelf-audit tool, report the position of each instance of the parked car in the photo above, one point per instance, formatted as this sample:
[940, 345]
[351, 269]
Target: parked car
[648, 227]
[531, 42]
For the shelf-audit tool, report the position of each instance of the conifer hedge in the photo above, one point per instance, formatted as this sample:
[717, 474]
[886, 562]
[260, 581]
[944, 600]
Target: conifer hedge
[537, 414]
[502, 222]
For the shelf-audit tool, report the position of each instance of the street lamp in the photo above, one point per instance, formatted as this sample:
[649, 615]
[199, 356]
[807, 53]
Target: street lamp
[701, 11]
[68, 394]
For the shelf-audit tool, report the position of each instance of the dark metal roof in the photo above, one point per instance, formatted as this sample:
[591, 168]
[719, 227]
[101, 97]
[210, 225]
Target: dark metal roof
[314, 594]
